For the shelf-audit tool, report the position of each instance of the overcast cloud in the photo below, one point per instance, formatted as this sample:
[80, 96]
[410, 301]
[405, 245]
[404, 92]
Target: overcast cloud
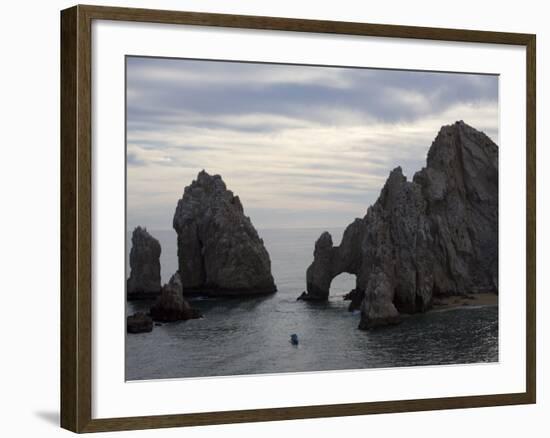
[302, 146]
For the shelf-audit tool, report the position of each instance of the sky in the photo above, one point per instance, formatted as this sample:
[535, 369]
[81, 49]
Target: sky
[302, 146]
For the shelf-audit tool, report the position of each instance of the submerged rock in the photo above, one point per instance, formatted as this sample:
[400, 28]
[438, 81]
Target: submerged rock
[434, 235]
[219, 250]
[144, 280]
[171, 305]
[139, 323]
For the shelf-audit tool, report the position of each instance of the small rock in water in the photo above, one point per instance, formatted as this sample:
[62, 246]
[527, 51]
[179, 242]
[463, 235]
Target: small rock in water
[294, 339]
[356, 297]
[171, 306]
[139, 323]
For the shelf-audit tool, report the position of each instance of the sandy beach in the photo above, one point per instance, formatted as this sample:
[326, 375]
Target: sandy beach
[480, 299]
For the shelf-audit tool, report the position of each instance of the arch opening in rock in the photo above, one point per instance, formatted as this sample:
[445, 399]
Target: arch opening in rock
[342, 284]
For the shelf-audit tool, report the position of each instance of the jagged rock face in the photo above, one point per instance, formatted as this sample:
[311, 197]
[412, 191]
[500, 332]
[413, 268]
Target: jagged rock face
[460, 184]
[171, 305]
[144, 280]
[219, 250]
[394, 254]
[435, 235]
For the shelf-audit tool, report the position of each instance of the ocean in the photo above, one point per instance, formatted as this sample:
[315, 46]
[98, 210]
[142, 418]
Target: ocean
[251, 335]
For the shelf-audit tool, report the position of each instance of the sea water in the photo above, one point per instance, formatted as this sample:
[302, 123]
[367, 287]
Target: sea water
[252, 335]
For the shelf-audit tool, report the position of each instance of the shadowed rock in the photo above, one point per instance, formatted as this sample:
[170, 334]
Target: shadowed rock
[435, 235]
[355, 297]
[139, 323]
[144, 280]
[170, 305]
[219, 250]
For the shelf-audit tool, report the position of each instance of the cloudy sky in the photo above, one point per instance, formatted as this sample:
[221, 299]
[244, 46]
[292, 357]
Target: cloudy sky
[302, 146]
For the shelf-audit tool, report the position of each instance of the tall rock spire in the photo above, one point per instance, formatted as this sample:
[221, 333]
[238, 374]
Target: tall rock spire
[219, 250]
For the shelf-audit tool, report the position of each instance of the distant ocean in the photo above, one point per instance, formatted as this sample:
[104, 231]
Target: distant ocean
[251, 336]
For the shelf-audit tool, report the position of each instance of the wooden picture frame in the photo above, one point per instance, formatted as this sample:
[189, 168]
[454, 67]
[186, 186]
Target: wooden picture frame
[76, 217]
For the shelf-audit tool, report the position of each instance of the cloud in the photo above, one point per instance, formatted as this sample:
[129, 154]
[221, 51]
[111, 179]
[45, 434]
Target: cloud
[162, 90]
[316, 140]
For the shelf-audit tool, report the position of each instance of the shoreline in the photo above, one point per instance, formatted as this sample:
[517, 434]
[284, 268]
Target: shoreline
[456, 301]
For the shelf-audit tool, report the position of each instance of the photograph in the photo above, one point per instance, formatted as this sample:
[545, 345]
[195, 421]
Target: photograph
[267, 219]
[290, 218]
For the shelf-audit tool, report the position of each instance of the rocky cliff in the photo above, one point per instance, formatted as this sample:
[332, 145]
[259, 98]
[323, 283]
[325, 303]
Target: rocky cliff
[144, 280]
[434, 235]
[219, 250]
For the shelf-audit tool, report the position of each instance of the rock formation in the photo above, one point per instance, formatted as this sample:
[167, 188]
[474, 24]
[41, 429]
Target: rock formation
[170, 305]
[219, 251]
[139, 323]
[434, 235]
[144, 280]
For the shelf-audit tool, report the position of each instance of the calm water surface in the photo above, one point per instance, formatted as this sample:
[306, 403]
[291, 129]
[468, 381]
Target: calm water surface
[251, 336]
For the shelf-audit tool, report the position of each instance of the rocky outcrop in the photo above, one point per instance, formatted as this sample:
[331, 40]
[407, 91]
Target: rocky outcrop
[219, 250]
[144, 280]
[139, 323]
[330, 261]
[434, 235]
[171, 305]
[355, 297]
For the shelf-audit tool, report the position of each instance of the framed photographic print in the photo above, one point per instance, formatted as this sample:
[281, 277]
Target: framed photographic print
[304, 218]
